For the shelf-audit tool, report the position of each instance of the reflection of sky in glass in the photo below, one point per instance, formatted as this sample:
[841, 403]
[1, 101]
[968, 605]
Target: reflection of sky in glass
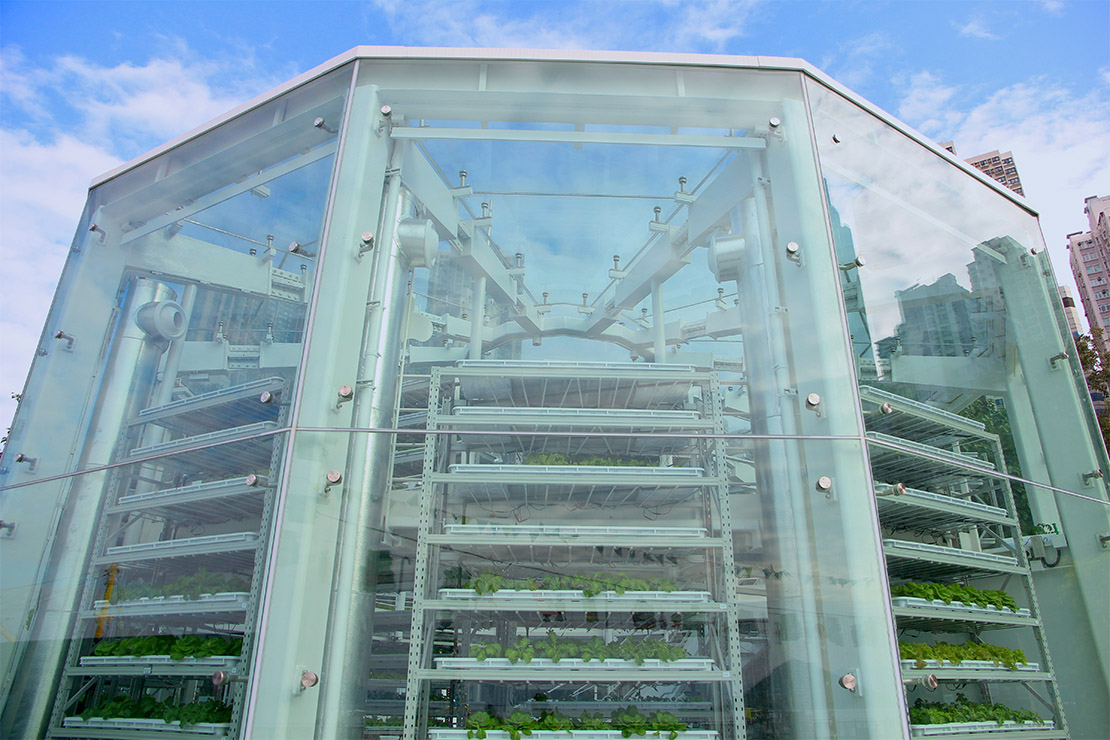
[570, 208]
[914, 217]
[292, 210]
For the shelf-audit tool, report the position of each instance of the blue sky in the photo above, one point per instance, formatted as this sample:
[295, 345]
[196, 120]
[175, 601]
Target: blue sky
[85, 86]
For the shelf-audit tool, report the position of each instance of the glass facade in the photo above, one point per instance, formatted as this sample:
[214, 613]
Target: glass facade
[455, 396]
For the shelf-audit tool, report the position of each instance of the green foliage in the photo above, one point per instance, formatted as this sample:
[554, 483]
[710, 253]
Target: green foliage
[589, 585]
[124, 707]
[521, 651]
[556, 648]
[956, 654]
[555, 458]
[628, 720]
[190, 585]
[935, 713]
[949, 592]
[195, 646]
[1096, 369]
[992, 414]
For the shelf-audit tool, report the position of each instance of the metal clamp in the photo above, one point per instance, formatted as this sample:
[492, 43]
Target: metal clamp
[69, 338]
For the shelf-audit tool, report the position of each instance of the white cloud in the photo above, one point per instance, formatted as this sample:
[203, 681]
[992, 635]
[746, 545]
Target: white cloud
[854, 62]
[976, 29]
[79, 119]
[676, 25]
[927, 103]
[1052, 6]
[1060, 140]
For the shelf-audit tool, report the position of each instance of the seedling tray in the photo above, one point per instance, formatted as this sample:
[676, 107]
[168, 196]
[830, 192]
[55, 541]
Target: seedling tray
[609, 664]
[148, 725]
[508, 594]
[955, 606]
[442, 734]
[963, 728]
[968, 665]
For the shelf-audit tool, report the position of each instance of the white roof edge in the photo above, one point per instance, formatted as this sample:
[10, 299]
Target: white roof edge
[560, 55]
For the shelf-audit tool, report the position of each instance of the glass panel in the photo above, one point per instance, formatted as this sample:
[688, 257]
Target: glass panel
[965, 370]
[501, 578]
[697, 246]
[955, 308]
[157, 624]
[176, 336]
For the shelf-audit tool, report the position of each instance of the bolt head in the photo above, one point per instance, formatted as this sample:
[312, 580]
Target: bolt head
[20, 457]
[813, 400]
[848, 681]
[793, 248]
[309, 679]
[252, 480]
[367, 237]
[319, 122]
[346, 391]
[836, 139]
[824, 483]
[266, 397]
[294, 247]
[219, 678]
[334, 477]
[886, 408]
[387, 111]
[775, 122]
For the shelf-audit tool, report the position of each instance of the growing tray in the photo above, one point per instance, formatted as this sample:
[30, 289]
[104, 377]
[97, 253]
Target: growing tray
[441, 734]
[955, 606]
[967, 665]
[609, 597]
[144, 660]
[609, 664]
[963, 728]
[148, 725]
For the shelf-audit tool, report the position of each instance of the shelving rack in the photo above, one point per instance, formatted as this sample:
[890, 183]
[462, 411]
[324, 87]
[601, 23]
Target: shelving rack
[932, 476]
[180, 507]
[486, 505]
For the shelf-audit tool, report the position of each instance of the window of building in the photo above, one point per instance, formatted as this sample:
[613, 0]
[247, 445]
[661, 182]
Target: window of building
[1093, 268]
[1090, 256]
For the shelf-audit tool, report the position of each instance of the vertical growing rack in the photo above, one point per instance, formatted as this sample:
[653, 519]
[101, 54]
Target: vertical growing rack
[635, 493]
[211, 508]
[946, 523]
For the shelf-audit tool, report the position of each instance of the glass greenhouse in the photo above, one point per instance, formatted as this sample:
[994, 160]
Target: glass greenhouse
[447, 393]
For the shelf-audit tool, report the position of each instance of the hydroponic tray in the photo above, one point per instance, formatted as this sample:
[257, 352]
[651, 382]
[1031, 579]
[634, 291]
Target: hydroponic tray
[152, 660]
[967, 728]
[907, 559]
[229, 601]
[609, 664]
[211, 729]
[606, 597]
[573, 531]
[936, 512]
[442, 734]
[967, 665]
[956, 606]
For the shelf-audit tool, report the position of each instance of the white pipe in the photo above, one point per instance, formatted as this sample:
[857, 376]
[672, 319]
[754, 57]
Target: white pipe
[659, 331]
[477, 317]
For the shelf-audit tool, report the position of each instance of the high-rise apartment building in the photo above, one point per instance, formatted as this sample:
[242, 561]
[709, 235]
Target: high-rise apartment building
[1000, 166]
[996, 164]
[1071, 310]
[571, 395]
[1090, 263]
